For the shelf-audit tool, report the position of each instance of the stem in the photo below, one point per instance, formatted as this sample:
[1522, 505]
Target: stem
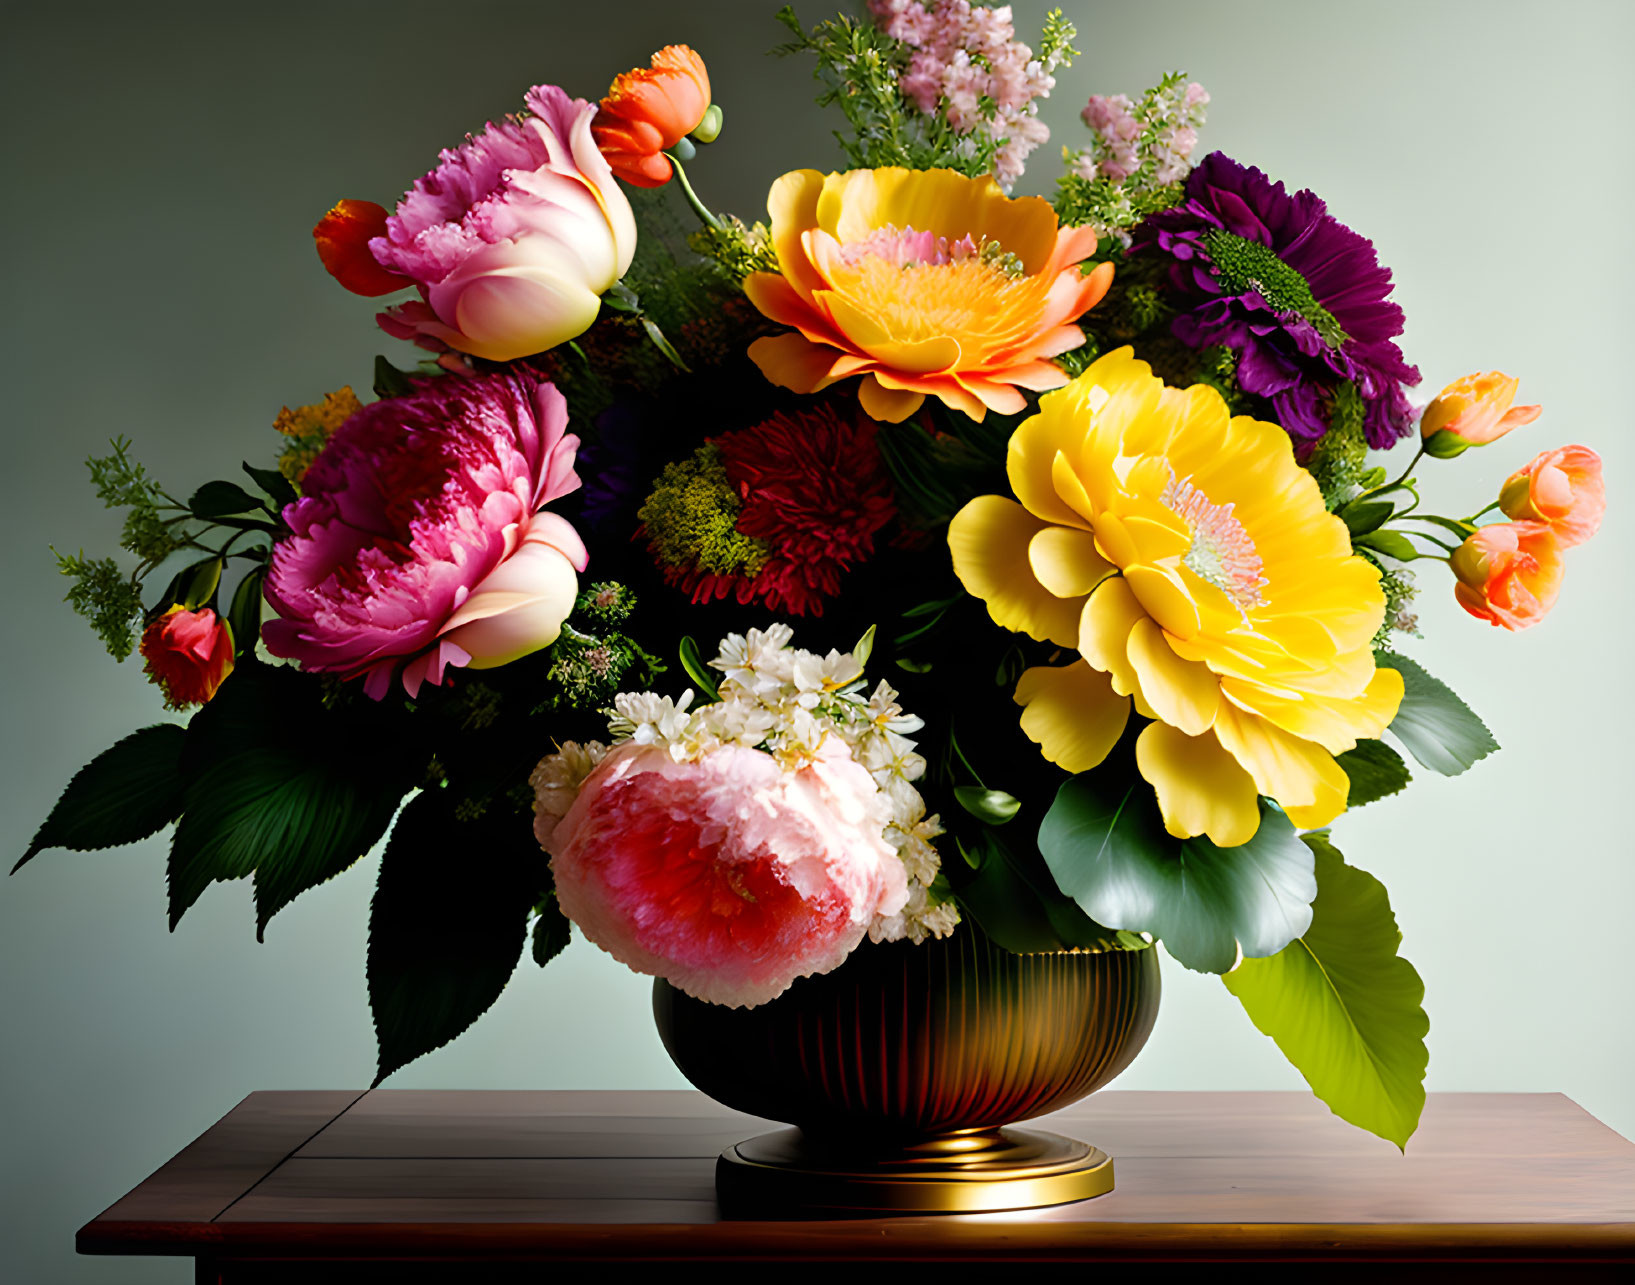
[1418, 455]
[709, 220]
[1482, 513]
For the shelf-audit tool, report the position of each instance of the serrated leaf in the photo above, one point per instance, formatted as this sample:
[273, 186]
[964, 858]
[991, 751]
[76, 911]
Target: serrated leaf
[994, 807]
[1432, 723]
[281, 787]
[222, 499]
[1375, 770]
[274, 483]
[447, 923]
[1105, 843]
[126, 793]
[1343, 1006]
[552, 931]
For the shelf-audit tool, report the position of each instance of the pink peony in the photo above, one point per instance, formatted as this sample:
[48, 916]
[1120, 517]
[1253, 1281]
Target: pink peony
[729, 877]
[419, 542]
[513, 238]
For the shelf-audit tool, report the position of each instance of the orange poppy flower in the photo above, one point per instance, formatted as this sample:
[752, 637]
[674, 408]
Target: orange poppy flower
[925, 283]
[649, 110]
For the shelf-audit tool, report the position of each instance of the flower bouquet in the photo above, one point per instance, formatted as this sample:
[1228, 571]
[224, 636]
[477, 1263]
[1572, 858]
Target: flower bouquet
[779, 603]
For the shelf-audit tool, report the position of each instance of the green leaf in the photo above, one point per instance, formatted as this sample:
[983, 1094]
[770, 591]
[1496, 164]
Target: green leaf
[1435, 726]
[1391, 543]
[1022, 910]
[448, 922]
[274, 483]
[202, 586]
[125, 793]
[1343, 1006]
[692, 660]
[1105, 843]
[664, 345]
[390, 381]
[280, 786]
[244, 617]
[864, 648]
[992, 806]
[1375, 770]
[1363, 516]
[222, 499]
[552, 931]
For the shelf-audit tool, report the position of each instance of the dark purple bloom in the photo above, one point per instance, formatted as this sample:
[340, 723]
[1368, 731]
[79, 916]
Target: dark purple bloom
[1298, 296]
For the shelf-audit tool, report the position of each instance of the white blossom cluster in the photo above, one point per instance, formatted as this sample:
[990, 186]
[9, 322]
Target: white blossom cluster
[789, 702]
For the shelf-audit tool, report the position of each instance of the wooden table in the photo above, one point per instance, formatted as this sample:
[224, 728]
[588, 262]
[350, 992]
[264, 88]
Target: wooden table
[408, 1185]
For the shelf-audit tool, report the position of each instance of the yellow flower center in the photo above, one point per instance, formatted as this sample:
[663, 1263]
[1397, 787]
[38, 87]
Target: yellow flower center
[1221, 552]
[917, 285]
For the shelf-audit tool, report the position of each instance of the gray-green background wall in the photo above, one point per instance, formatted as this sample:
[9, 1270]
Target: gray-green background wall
[163, 166]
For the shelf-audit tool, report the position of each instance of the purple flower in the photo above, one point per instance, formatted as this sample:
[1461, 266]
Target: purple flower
[1298, 296]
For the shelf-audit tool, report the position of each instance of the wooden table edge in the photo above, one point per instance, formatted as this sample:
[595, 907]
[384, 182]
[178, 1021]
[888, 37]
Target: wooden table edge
[875, 1240]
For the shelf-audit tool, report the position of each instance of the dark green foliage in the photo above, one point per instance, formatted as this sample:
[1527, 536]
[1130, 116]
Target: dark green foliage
[106, 597]
[448, 922]
[124, 794]
[552, 931]
[1375, 771]
[282, 785]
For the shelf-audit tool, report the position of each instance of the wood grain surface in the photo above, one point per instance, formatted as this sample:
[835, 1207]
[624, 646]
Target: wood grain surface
[490, 1185]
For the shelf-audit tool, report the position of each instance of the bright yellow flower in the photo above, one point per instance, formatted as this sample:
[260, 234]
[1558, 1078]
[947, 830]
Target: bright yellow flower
[925, 283]
[1189, 561]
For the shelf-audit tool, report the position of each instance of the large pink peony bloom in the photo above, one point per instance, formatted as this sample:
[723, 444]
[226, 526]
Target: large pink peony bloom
[729, 877]
[419, 542]
[513, 238]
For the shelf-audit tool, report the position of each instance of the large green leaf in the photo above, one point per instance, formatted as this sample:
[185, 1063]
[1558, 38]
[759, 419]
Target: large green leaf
[1438, 728]
[1105, 843]
[281, 786]
[1343, 1005]
[448, 922]
[1375, 771]
[1021, 909]
[125, 793]
[552, 931]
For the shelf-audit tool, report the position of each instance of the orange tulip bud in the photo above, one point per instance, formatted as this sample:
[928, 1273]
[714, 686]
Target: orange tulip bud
[1472, 411]
[1509, 573]
[343, 237]
[648, 111]
[1561, 488]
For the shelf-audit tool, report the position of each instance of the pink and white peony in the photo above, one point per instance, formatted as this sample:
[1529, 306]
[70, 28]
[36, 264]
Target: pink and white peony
[726, 875]
[419, 542]
[513, 238]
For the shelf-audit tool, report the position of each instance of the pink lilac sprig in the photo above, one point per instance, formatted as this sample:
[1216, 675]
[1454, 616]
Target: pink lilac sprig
[968, 69]
[1138, 149]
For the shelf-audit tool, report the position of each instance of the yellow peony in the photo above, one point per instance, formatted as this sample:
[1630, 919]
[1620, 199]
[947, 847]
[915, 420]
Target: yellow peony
[1190, 563]
[924, 283]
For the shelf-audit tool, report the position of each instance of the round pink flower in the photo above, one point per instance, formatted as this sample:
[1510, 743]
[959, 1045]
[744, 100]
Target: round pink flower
[729, 877]
[419, 542]
[513, 238]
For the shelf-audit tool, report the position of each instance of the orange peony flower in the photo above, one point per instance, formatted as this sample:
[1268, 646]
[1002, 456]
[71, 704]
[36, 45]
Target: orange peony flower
[1561, 488]
[1472, 411]
[1509, 573]
[925, 283]
[343, 237]
[649, 110]
[189, 655]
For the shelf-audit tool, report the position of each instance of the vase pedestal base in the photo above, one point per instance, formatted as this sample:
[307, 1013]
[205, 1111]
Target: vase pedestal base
[969, 1171]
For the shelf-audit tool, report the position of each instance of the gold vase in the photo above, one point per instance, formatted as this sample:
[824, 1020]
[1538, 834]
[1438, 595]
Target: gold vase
[901, 1069]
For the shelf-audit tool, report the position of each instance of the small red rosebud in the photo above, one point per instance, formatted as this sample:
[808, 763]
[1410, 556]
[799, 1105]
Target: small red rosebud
[343, 237]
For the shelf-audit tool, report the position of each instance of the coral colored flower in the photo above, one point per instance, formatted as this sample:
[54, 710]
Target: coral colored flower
[924, 283]
[513, 238]
[343, 237]
[1472, 411]
[649, 110]
[729, 876]
[1192, 565]
[1561, 488]
[1298, 296]
[188, 654]
[419, 542]
[796, 500]
[1509, 574]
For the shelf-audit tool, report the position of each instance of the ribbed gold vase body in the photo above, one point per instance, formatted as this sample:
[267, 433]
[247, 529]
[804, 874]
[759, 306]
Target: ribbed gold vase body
[908, 1041]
